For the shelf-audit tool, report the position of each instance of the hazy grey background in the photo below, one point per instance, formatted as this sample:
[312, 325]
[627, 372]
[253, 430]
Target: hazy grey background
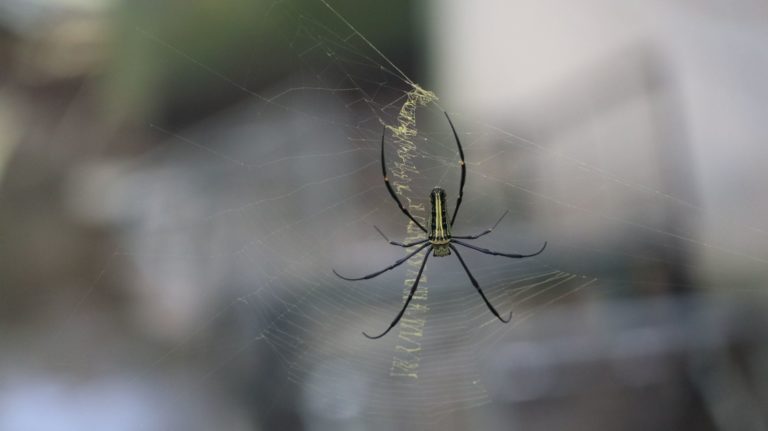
[178, 178]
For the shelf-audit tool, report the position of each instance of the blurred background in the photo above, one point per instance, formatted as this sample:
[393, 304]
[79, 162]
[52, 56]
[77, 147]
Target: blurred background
[177, 180]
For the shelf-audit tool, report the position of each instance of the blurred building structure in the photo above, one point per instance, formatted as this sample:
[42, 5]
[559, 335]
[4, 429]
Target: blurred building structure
[663, 97]
[170, 207]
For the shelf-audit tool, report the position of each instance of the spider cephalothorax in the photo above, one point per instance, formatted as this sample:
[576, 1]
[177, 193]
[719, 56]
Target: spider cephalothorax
[439, 238]
[439, 231]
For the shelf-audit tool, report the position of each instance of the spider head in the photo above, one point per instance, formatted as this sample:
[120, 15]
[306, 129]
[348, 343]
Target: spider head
[437, 193]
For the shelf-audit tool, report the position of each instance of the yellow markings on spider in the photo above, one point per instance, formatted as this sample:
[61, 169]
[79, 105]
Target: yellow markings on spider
[439, 235]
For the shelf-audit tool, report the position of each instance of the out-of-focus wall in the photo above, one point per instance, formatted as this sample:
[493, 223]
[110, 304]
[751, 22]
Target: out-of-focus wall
[666, 97]
[643, 126]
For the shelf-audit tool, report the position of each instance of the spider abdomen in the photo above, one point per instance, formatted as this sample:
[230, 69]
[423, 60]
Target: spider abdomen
[441, 249]
[439, 230]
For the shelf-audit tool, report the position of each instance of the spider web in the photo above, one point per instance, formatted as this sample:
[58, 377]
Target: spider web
[251, 210]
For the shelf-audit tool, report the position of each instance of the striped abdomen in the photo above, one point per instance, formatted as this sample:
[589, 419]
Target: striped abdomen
[439, 230]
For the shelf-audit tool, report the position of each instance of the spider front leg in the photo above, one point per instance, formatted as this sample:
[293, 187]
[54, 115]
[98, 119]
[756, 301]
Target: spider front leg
[389, 186]
[463, 165]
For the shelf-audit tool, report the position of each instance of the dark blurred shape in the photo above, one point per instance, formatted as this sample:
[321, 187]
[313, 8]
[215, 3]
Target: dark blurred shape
[658, 170]
[654, 364]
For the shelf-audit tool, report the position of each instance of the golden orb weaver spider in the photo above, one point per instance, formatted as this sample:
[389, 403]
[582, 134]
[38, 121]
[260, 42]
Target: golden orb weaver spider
[439, 239]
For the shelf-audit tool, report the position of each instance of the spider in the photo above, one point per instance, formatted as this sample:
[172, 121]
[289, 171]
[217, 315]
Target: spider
[439, 239]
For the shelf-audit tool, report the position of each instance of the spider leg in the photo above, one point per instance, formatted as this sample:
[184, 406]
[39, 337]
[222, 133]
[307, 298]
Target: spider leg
[479, 290]
[485, 232]
[496, 253]
[395, 265]
[389, 186]
[407, 301]
[463, 169]
[410, 244]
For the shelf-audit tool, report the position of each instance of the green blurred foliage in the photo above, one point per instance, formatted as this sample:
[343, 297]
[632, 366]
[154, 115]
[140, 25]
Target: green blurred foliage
[182, 60]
